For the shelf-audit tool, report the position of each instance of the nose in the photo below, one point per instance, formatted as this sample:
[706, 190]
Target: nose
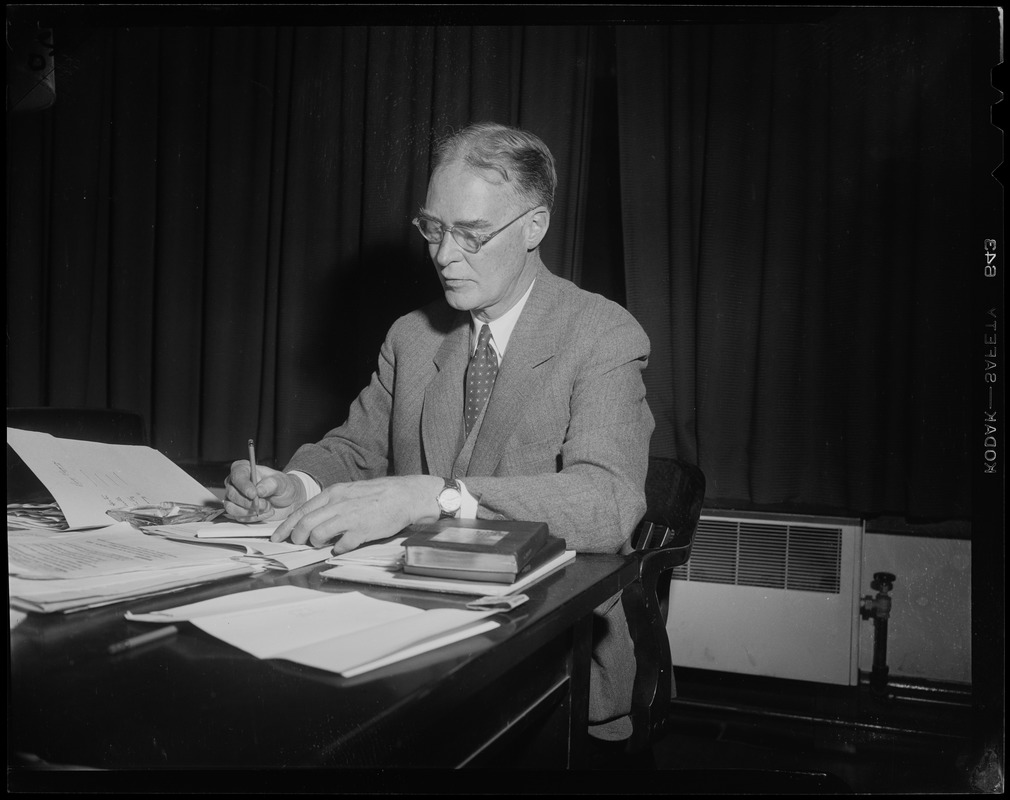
[446, 251]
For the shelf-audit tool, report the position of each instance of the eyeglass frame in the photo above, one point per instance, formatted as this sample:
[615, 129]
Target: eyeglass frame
[482, 238]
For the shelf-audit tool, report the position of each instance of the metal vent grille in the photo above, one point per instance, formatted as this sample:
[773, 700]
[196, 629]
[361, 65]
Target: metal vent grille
[777, 555]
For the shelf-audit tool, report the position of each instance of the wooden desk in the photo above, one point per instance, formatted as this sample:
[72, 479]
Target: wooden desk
[517, 695]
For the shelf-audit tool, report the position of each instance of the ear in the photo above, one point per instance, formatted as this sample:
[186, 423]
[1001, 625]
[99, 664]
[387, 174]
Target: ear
[536, 227]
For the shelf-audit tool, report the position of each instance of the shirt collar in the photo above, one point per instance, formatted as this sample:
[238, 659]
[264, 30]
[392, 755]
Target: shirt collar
[501, 328]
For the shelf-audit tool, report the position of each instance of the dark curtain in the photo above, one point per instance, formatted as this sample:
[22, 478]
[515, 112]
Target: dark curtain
[211, 225]
[796, 200]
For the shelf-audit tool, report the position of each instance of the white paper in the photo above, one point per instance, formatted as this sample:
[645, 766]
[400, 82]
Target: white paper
[291, 560]
[271, 632]
[119, 548]
[81, 593]
[239, 601]
[347, 633]
[89, 478]
[258, 544]
[369, 648]
[275, 555]
[235, 530]
[385, 554]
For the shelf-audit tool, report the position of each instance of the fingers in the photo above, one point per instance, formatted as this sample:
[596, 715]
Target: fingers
[248, 502]
[284, 530]
[247, 515]
[346, 515]
[315, 523]
[343, 516]
[238, 484]
[298, 530]
[239, 494]
[344, 543]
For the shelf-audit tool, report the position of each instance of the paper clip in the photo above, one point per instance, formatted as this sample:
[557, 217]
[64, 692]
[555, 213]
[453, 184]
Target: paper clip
[494, 603]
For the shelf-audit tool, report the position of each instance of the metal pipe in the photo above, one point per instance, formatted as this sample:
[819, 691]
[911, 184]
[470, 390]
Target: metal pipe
[879, 608]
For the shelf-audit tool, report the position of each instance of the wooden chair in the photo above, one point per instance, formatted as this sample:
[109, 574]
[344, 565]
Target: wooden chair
[107, 425]
[674, 492]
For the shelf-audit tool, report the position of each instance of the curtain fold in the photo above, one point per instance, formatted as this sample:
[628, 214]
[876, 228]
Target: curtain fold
[795, 206]
[211, 226]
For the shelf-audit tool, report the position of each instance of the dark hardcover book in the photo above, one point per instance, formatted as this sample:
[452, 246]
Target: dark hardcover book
[554, 547]
[487, 545]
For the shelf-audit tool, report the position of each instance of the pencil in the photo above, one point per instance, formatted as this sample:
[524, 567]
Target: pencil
[144, 638]
[252, 474]
[252, 463]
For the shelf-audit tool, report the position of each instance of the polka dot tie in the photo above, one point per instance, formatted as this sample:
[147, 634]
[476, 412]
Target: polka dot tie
[480, 377]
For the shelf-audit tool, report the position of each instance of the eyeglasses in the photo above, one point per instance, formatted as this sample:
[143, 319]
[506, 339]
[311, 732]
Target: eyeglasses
[469, 240]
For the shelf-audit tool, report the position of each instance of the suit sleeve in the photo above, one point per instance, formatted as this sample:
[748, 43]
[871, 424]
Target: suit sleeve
[358, 449]
[596, 496]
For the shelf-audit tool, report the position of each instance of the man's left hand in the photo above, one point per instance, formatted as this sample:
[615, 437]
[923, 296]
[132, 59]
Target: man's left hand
[347, 515]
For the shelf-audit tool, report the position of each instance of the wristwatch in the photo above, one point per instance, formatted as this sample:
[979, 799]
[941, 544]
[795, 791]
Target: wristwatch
[450, 499]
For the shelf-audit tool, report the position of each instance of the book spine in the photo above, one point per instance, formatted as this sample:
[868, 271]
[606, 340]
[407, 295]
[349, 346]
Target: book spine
[530, 548]
[478, 576]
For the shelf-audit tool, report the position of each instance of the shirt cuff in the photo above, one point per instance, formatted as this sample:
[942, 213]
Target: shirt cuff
[468, 508]
[311, 487]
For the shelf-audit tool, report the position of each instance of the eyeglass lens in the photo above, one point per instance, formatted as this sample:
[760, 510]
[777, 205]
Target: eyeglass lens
[433, 232]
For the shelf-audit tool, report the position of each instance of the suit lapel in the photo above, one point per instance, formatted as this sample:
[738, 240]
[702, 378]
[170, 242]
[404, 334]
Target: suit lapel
[441, 417]
[533, 341]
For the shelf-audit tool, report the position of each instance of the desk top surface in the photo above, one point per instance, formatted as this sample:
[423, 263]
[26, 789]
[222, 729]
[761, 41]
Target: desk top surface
[192, 701]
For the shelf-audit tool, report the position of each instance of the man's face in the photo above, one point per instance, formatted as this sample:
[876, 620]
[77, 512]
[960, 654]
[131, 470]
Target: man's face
[491, 280]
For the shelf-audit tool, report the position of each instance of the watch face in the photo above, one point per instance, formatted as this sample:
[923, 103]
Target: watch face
[450, 499]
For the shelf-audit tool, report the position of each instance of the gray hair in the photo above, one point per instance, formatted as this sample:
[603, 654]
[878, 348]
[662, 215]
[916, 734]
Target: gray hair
[520, 157]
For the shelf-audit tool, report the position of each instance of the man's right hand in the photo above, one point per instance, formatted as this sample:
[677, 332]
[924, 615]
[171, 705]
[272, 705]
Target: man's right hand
[274, 497]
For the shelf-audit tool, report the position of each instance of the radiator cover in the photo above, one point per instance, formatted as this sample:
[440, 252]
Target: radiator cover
[771, 595]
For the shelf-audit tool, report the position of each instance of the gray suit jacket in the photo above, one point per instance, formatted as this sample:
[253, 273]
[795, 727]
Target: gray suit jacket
[564, 439]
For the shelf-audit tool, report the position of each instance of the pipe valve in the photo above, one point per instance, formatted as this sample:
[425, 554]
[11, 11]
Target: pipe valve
[879, 606]
[879, 609]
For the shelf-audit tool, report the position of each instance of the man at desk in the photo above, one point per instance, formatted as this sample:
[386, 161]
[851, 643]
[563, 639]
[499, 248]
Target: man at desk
[520, 397]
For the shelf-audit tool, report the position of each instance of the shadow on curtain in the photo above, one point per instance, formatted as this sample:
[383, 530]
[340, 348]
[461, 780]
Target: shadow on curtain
[211, 226]
[795, 204]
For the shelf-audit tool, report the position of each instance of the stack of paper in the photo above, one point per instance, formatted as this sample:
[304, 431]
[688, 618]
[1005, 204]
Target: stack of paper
[386, 555]
[251, 541]
[47, 516]
[90, 560]
[70, 571]
[87, 479]
[78, 594]
[396, 577]
[346, 633]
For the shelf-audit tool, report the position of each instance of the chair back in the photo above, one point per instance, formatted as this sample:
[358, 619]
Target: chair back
[107, 425]
[675, 492]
